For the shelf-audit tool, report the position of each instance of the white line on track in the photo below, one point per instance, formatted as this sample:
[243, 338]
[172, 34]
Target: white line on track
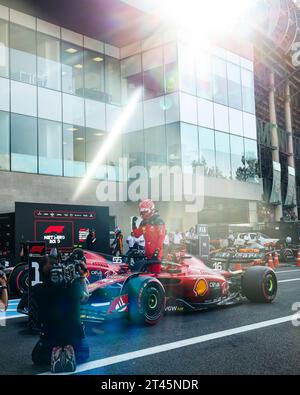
[11, 317]
[288, 281]
[288, 271]
[179, 344]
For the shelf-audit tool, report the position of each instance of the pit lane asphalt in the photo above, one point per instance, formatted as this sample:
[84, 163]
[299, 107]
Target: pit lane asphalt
[272, 350]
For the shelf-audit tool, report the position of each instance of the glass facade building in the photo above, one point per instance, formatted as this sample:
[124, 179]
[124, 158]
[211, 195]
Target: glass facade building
[61, 94]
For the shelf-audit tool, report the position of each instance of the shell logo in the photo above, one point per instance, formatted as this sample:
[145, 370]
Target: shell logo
[201, 287]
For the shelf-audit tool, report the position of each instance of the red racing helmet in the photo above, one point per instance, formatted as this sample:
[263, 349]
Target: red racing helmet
[147, 209]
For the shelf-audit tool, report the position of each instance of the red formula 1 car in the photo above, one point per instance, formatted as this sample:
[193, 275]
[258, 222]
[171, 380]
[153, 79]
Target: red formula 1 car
[188, 285]
[99, 266]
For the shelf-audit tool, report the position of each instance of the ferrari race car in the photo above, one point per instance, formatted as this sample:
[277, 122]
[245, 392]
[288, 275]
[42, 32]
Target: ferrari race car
[186, 286]
[99, 266]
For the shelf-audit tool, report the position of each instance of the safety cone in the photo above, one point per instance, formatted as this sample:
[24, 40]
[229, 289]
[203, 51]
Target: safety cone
[298, 259]
[276, 260]
[270, 262]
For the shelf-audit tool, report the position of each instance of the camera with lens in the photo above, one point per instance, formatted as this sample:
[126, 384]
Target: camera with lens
[135, 257]
[66, 270]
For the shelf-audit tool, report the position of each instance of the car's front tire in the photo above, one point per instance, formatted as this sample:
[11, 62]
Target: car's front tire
[147, 300]
[18, 280]
[259, 284]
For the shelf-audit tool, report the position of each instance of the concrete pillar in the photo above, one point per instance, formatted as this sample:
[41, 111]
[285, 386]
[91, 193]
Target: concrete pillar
[253, 213]
[289, 129]
[275, 139]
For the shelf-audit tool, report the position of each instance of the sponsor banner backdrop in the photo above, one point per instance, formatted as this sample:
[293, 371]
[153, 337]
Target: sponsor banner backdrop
[68, 225]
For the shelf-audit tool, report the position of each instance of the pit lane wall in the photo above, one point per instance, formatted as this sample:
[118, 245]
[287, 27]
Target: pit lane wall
[225, 201]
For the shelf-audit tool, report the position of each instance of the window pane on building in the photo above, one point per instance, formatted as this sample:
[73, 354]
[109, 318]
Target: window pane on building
[204, 76]
[132, 76]
[220, 81]
[223, 169]
[113, 80]
[94, 75]
[173, 144]
[4, 141]
[23, 143]
[4, 52]
[49, 104]
[113, 157]
[237, 157]
[22, 54]
[74, 150]
[72, 69]
[221, 114]
[189, 145]
[50, 147]
[250, 127]
[234, 86]
[207, 151]
[236, 122]
[73, 110]
[171, 68]
[187, 69]
[49, 66]
[154, 112]
[155, 146]
[95, 114]
[94, 142]
[134, 148]
[153, 73]
[23, 98]
[248, 91]
[251, 156]
[4, 94]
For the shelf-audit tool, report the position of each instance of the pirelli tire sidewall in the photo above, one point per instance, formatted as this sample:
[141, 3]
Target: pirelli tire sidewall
[259, 284]
[18, 280]
[147, 300]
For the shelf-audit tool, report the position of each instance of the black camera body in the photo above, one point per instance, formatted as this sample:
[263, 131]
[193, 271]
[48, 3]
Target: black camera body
[65, 272]
[135, 257]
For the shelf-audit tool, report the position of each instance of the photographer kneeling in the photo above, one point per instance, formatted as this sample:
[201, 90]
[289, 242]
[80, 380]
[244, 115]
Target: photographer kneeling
[62, 340]
[3, 290]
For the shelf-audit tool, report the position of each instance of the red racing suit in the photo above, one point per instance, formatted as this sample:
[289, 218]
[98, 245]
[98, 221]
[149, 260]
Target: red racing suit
[154, 231]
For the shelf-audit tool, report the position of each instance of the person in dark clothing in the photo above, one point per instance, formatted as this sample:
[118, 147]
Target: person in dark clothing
[117, 244]
[3, 290]
[58, 311]
[91, 241]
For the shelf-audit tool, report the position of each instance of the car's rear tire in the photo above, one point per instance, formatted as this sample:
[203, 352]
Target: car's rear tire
[147, 300]
[18, 280]
[259, 284]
